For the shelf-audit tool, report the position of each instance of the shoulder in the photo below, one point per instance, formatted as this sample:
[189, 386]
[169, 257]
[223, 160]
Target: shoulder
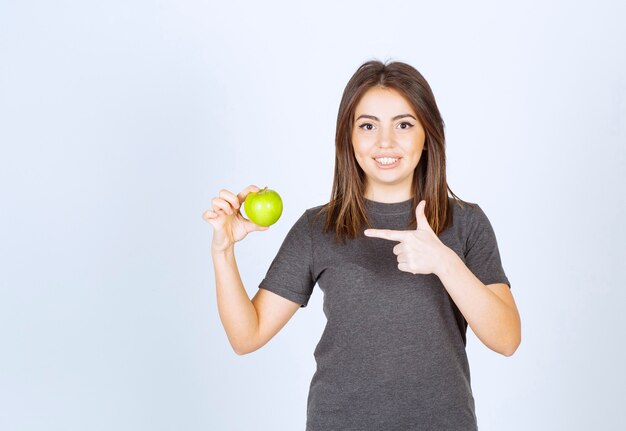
[463, 211]
[308, 218]
[317, 208]
[469, 217]
[316, 213]
[474, 222]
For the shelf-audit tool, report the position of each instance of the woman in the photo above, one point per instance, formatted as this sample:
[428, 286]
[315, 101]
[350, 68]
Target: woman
[404, 269]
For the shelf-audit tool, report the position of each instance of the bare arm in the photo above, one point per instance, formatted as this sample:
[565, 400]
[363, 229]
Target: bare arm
[489, 310]
[237, 313]
[274, 312]
[249, 324]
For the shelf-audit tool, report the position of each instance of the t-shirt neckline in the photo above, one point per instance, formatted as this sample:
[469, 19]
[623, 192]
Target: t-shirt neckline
[389, 208]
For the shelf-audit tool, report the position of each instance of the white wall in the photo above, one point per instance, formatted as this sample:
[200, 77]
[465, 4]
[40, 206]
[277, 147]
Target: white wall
[120, 121]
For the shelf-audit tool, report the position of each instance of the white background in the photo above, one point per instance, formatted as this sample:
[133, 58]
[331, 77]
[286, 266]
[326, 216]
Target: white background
[120, 121]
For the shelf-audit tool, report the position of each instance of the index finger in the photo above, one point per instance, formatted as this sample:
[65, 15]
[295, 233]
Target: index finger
[230, 197]
[393, 235]
[242, 194]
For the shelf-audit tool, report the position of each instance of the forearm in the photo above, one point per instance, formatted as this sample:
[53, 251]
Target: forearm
[237, 313]
[493, 321]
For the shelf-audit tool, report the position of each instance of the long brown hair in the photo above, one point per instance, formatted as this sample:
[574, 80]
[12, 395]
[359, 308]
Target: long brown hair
[346, 212]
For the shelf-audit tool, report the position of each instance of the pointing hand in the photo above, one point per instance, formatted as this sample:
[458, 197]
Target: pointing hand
[419, 251]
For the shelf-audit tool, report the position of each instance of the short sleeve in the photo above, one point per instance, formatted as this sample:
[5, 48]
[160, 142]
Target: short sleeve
[290, 273]
[482, 256]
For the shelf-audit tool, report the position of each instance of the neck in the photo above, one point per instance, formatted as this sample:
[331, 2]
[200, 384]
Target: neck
[389, 195]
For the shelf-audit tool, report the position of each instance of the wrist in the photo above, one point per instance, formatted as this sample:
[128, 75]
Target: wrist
[228, 251]
[448, 262]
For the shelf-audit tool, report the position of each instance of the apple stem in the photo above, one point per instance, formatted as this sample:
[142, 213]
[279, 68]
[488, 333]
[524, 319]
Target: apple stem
[264, 188]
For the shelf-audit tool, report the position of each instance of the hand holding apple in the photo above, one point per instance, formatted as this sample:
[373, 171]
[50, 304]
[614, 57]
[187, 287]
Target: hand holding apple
[229, 226]
[264, 207]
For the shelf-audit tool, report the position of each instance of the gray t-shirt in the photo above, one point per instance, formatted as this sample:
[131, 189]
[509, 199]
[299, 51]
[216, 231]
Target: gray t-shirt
[392, 355]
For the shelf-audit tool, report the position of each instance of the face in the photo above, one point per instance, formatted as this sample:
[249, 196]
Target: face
[388, 141]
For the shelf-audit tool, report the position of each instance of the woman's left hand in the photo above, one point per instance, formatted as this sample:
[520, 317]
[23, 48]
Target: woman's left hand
[420, 251]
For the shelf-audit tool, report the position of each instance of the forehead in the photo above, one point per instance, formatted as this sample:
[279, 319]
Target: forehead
[383, 101]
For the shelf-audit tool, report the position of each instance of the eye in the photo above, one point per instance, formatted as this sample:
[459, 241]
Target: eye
[362, 126]
[407, 124]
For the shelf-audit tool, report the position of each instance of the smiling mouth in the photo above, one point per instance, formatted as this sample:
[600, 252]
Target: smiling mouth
[387, 162]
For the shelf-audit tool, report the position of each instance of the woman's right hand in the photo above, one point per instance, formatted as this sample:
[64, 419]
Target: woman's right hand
[229, 226]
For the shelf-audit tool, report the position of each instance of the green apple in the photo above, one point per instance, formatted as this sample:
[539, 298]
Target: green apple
[263, 207]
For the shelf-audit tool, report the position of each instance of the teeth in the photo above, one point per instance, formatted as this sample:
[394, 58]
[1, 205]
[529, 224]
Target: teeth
[386, 160]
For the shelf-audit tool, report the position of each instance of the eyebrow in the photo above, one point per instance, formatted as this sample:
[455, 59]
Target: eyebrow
[397, 117]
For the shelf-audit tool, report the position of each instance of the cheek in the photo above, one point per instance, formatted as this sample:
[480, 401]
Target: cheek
[361, 157]
[359, 147]
[417, 145]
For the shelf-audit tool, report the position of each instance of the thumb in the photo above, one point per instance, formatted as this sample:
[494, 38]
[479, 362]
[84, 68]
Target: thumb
[252, 226]
[420, 216]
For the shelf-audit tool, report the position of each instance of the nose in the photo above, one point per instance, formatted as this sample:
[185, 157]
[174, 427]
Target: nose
[385, 137]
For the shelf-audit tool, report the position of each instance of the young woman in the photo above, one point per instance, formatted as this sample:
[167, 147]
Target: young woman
[404, 269]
